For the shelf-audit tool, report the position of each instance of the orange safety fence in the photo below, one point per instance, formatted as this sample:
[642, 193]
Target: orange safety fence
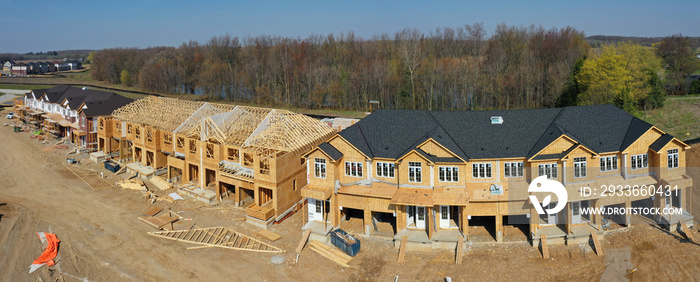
[49, 254]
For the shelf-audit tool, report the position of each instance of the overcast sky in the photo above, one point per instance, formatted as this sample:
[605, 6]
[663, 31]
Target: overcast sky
[31, 26]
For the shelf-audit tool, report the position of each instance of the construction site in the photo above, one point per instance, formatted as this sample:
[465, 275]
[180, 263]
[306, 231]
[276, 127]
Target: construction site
[184, 190]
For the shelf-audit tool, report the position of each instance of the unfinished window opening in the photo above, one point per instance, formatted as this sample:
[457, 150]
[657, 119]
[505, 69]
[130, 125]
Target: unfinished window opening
[149, 135]
[181, 142]
[193, 146]
[232, 155]
[265, 196]
[102, 124]
[247, 160]
[265, 166]
[138, 132]
[294, 184]
[118, 128]
[210, 151]
[167, 139]
[129, 129]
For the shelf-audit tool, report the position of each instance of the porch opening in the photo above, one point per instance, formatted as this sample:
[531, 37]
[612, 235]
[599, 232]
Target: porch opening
[246, 197]
[265, 196]
[193, 173]
[210, 178]
[227, 190]
[175, 174]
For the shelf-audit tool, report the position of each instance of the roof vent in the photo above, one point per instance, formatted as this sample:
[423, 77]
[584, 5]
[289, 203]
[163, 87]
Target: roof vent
[496, 120]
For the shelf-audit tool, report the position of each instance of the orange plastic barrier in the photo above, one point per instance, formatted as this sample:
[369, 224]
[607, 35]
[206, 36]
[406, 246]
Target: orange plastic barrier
[51, 250]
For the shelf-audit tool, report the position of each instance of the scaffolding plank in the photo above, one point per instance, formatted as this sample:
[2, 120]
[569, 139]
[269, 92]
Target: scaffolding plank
[545, 250]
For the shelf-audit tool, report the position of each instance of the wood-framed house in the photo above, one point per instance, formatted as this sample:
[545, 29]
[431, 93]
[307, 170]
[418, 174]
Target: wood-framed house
[433, 175]
[249, 155]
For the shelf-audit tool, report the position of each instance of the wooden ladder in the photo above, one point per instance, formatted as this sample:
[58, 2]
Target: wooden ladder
[686, 230]
[402, 248]
[545, 250]
[596, 243]
[459, 251]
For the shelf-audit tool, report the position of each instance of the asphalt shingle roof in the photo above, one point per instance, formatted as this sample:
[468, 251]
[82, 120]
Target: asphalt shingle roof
[470, 134]
[661, 142]
[331, 151]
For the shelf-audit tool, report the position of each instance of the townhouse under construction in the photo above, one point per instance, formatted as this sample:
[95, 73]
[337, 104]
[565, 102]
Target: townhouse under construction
[215, 151]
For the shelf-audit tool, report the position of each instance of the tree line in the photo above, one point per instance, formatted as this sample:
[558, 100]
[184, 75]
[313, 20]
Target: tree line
[445, 69]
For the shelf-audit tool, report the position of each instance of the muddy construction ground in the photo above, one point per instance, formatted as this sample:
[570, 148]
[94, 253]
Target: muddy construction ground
[102, 239]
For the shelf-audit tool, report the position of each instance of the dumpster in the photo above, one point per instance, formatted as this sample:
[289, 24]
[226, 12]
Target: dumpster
[112, 166]
[345, 242]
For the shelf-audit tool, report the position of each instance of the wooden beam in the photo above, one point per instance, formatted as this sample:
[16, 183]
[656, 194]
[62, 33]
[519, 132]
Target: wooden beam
[596, 243]
[460, 251]
[304, 239]
[543, 243]
[686, 230]
[402, 249]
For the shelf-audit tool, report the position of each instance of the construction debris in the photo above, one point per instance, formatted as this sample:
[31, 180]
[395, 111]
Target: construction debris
[49, 253]
[175, 196]
[133, 184]
[152, 211]
[460, 251]
[162, 220]
[687, 232]
[269, 235]
[220, 237]
[330, 253]
[160, 183]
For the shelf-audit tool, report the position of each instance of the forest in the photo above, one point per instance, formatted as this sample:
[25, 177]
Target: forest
[462, 68]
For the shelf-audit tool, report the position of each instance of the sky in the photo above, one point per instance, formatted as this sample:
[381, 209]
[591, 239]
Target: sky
[33, 26]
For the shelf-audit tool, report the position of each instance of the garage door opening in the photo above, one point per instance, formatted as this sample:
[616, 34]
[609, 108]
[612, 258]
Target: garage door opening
[483, 228]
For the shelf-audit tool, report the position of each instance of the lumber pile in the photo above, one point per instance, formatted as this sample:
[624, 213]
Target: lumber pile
[596, 243]
[330, 253]
[162, 221]
[121, 170]
[133, 184]
[160, 183]
[545, 250]
[402, 249]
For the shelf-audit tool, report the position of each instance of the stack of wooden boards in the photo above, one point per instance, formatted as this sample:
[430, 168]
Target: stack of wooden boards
[133, 184]
[161, 183]
[330, 253]
[166, 220]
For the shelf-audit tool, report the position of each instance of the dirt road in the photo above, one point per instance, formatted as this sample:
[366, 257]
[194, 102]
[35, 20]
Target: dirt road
[102, 240]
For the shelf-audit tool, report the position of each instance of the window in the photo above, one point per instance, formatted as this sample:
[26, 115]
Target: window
[102, 124]
[448, 174]
[180, 142]
[444, 213]
[149, 135]
[640, 161]
[415, 172]
[138, 132]
[193, 146]
[232, 154]
[580, 167]
[247, 160]
[167, 139]
[385, 170]
[672, 158]
[320, 168]
[481, 170]
[353, 169]
[129, 128]
[514, 169]
[264, 166]
[548, 169]
[608, 163]
[210, 151]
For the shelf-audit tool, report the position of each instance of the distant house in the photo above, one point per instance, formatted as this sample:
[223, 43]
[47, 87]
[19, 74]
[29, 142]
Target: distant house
[70, 111]
[19, 69]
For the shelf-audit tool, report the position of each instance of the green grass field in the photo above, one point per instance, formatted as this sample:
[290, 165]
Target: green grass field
[679, 117]
[23, 87]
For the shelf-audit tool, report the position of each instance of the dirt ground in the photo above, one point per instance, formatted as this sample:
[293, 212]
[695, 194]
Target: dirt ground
[102, 239]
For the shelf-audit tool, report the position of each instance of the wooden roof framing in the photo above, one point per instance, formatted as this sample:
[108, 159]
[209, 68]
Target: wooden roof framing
[265, 131]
